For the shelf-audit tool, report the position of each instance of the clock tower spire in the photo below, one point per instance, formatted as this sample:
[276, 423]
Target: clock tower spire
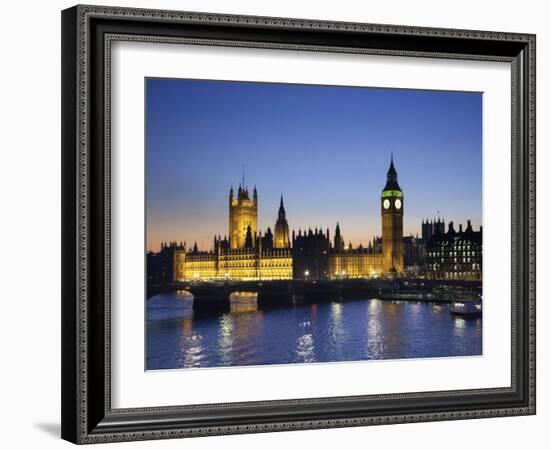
[392, 202]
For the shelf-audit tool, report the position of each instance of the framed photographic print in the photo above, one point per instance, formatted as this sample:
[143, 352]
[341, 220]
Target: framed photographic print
[281, 224]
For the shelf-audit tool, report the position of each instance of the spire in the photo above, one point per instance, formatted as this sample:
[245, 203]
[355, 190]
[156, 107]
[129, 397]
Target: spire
[282, 212]
[391, 169]
[338, 240]
[391, 183]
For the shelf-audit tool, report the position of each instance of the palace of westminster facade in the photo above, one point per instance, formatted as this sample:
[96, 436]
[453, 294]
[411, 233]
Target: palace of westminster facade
[248, 254]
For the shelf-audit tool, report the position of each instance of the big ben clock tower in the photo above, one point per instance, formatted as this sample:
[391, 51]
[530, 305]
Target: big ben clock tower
[392, 203]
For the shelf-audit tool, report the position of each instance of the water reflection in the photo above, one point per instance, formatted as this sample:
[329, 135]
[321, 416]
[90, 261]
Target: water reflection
[225, 341]
[374, 342]
[314, 311]
[243, 302]
[305, 350]
[169, 306]
[238, 308]
[337, 331]
[187, 326]
[193, 351]
[460, 323]
[239, 337]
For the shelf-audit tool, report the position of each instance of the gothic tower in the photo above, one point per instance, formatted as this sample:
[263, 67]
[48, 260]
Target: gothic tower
[338, 240]
[281, 238]
[392, 203]
[243, 213]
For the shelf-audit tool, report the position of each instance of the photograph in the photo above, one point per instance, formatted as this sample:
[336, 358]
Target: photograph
[300, 223]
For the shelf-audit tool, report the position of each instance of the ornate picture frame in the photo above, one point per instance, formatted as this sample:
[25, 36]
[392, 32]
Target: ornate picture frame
[87, 35]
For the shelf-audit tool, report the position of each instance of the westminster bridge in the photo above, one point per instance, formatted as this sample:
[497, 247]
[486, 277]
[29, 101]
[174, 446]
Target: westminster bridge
[284, 292]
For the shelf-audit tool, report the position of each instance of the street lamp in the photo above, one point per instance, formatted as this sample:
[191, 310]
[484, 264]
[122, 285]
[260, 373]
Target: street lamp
[306, 273]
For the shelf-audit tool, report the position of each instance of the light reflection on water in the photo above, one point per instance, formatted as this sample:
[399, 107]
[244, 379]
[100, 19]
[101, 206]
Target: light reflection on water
[349, 331]
[305, 350]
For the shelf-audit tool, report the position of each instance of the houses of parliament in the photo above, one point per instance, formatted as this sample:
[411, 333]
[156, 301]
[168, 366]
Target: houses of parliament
[247, 253]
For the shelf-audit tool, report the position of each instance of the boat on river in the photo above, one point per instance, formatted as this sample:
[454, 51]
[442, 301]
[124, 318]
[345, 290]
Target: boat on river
[470, 308]
[438, 296]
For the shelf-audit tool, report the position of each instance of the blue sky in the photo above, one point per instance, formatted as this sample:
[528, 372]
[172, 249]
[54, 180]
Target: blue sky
[326, 149]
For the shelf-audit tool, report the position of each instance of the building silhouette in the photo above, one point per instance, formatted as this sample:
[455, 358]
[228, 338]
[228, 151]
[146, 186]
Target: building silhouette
[310, 254]
[455, 254]
[414, 255]
[161, 265]
[431, 227]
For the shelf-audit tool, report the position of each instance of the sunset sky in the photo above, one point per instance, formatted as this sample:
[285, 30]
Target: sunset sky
[326, 149]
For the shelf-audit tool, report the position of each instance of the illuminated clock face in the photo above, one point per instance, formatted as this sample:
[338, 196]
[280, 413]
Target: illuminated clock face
[386, 204]
[397, 204]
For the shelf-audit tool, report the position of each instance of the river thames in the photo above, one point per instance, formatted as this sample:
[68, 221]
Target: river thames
[353, 330]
